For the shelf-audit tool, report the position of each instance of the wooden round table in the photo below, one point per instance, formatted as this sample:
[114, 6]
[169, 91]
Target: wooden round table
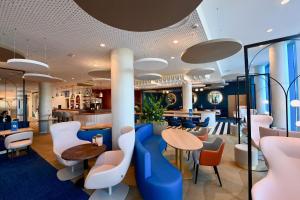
[182, 140]
[83, 152]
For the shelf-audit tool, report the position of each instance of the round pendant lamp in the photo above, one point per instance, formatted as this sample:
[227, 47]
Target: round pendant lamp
[100, 74]
[139, 15]
[150, 64]
[27, 65]
[149, 76]
[200, 72]
[6, 54]
[35, 77]
[211, 51]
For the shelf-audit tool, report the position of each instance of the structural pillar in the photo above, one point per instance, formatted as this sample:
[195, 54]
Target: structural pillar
[122, 91]
[187, 96]
[261, 90]
[45, 106]
[279, 70]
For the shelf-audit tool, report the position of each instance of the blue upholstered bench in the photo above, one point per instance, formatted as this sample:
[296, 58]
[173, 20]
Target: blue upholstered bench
[88, 136]
[7, 125]
[156, 177]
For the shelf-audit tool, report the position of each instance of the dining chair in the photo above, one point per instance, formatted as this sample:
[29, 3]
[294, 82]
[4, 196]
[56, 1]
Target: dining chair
[18, 141]
[111, 168]
[64, 136]
[209, 155]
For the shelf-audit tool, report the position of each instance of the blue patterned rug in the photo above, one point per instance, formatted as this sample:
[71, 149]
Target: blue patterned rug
[30, 177]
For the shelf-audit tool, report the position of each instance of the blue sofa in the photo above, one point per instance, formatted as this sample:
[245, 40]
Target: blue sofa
[88, 136]
[156, 177]
[7, 125]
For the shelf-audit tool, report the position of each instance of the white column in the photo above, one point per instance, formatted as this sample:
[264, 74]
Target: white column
[261, 90]
[279, 70]
[45, 107]
[187, 96]
[122, 91]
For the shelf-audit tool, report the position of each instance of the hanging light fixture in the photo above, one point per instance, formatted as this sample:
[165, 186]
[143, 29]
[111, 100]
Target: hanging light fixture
[26, 64]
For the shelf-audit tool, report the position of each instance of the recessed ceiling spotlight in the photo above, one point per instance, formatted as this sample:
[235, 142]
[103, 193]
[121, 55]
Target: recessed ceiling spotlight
[194, 26]
[72, 55]
[73, 78]
[283, 2]
[269, 30]
[207, 76]
[172, 57]
[102, 45]
[175, 41]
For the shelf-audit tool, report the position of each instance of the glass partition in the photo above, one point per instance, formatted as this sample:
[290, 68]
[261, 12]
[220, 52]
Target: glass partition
[272, 84]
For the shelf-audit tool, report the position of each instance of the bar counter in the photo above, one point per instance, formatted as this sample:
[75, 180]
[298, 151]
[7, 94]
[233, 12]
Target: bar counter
[90, 117]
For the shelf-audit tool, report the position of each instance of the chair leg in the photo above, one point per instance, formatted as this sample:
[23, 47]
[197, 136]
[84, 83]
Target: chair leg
[189, 153]
[217, 172]
[196, 173]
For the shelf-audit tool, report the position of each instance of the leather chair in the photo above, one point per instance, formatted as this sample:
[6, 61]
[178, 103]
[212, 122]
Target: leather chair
[111, 168]
[188, 123]
[174, 122]
[209, 155]
[204, 123]
[282, 181]
[18, 141]
[202, 134]
[256, 122]
[66, 116]
[64, 136]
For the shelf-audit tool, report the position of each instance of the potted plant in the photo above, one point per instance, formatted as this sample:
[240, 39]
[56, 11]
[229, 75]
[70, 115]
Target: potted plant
[152, 112]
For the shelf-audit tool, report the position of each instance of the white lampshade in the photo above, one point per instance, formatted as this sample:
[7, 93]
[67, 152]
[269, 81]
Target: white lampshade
[295, 103]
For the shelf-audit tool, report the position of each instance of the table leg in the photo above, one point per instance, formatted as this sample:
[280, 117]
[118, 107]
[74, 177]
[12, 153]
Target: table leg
[176, 157]
[80, 181]
[184, 168]
[85, 164]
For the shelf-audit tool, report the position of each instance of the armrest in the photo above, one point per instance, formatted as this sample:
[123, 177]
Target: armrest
[110, 158]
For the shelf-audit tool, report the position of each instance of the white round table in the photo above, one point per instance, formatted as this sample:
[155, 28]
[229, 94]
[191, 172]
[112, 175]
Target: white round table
[182, 140]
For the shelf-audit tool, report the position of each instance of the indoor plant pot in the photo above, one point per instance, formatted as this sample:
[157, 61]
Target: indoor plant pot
[158, 127]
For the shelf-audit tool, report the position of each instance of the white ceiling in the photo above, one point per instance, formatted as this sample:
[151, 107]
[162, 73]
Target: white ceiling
[64, 29]
[248, 21]
[70, 30]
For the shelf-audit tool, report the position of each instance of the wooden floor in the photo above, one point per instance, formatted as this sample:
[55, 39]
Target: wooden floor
[234, 179]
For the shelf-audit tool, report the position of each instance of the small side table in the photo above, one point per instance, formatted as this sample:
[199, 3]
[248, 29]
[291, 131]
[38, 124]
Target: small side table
[241, 156]
[83, 152]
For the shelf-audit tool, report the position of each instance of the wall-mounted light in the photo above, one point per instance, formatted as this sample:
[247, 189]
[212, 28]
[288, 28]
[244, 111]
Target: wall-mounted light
[101, 95]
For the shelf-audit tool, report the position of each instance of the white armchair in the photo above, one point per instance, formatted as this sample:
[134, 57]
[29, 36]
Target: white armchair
[17, 141]
[256, 122]
[282, 180]
[111, 168]
[64, 136]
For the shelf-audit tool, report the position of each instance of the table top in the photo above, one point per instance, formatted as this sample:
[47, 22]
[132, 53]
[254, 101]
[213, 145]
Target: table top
[9, 132]
[96, 126]
[181, 139]
[181, 115]
[83, 152]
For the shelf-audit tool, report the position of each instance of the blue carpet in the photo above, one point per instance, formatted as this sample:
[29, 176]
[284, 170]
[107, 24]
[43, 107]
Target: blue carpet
[31, 177]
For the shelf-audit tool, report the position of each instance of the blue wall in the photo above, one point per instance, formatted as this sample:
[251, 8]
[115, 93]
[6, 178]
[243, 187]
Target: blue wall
[202, 102]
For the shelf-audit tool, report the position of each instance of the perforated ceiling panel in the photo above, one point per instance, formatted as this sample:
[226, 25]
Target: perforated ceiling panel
[63, 28]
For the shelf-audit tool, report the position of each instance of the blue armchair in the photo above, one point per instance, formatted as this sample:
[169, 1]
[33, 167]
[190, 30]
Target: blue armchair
[188, 123]
[204, 123]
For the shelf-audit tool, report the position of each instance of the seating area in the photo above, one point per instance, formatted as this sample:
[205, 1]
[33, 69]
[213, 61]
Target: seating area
[154, 183]
[149, 100]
